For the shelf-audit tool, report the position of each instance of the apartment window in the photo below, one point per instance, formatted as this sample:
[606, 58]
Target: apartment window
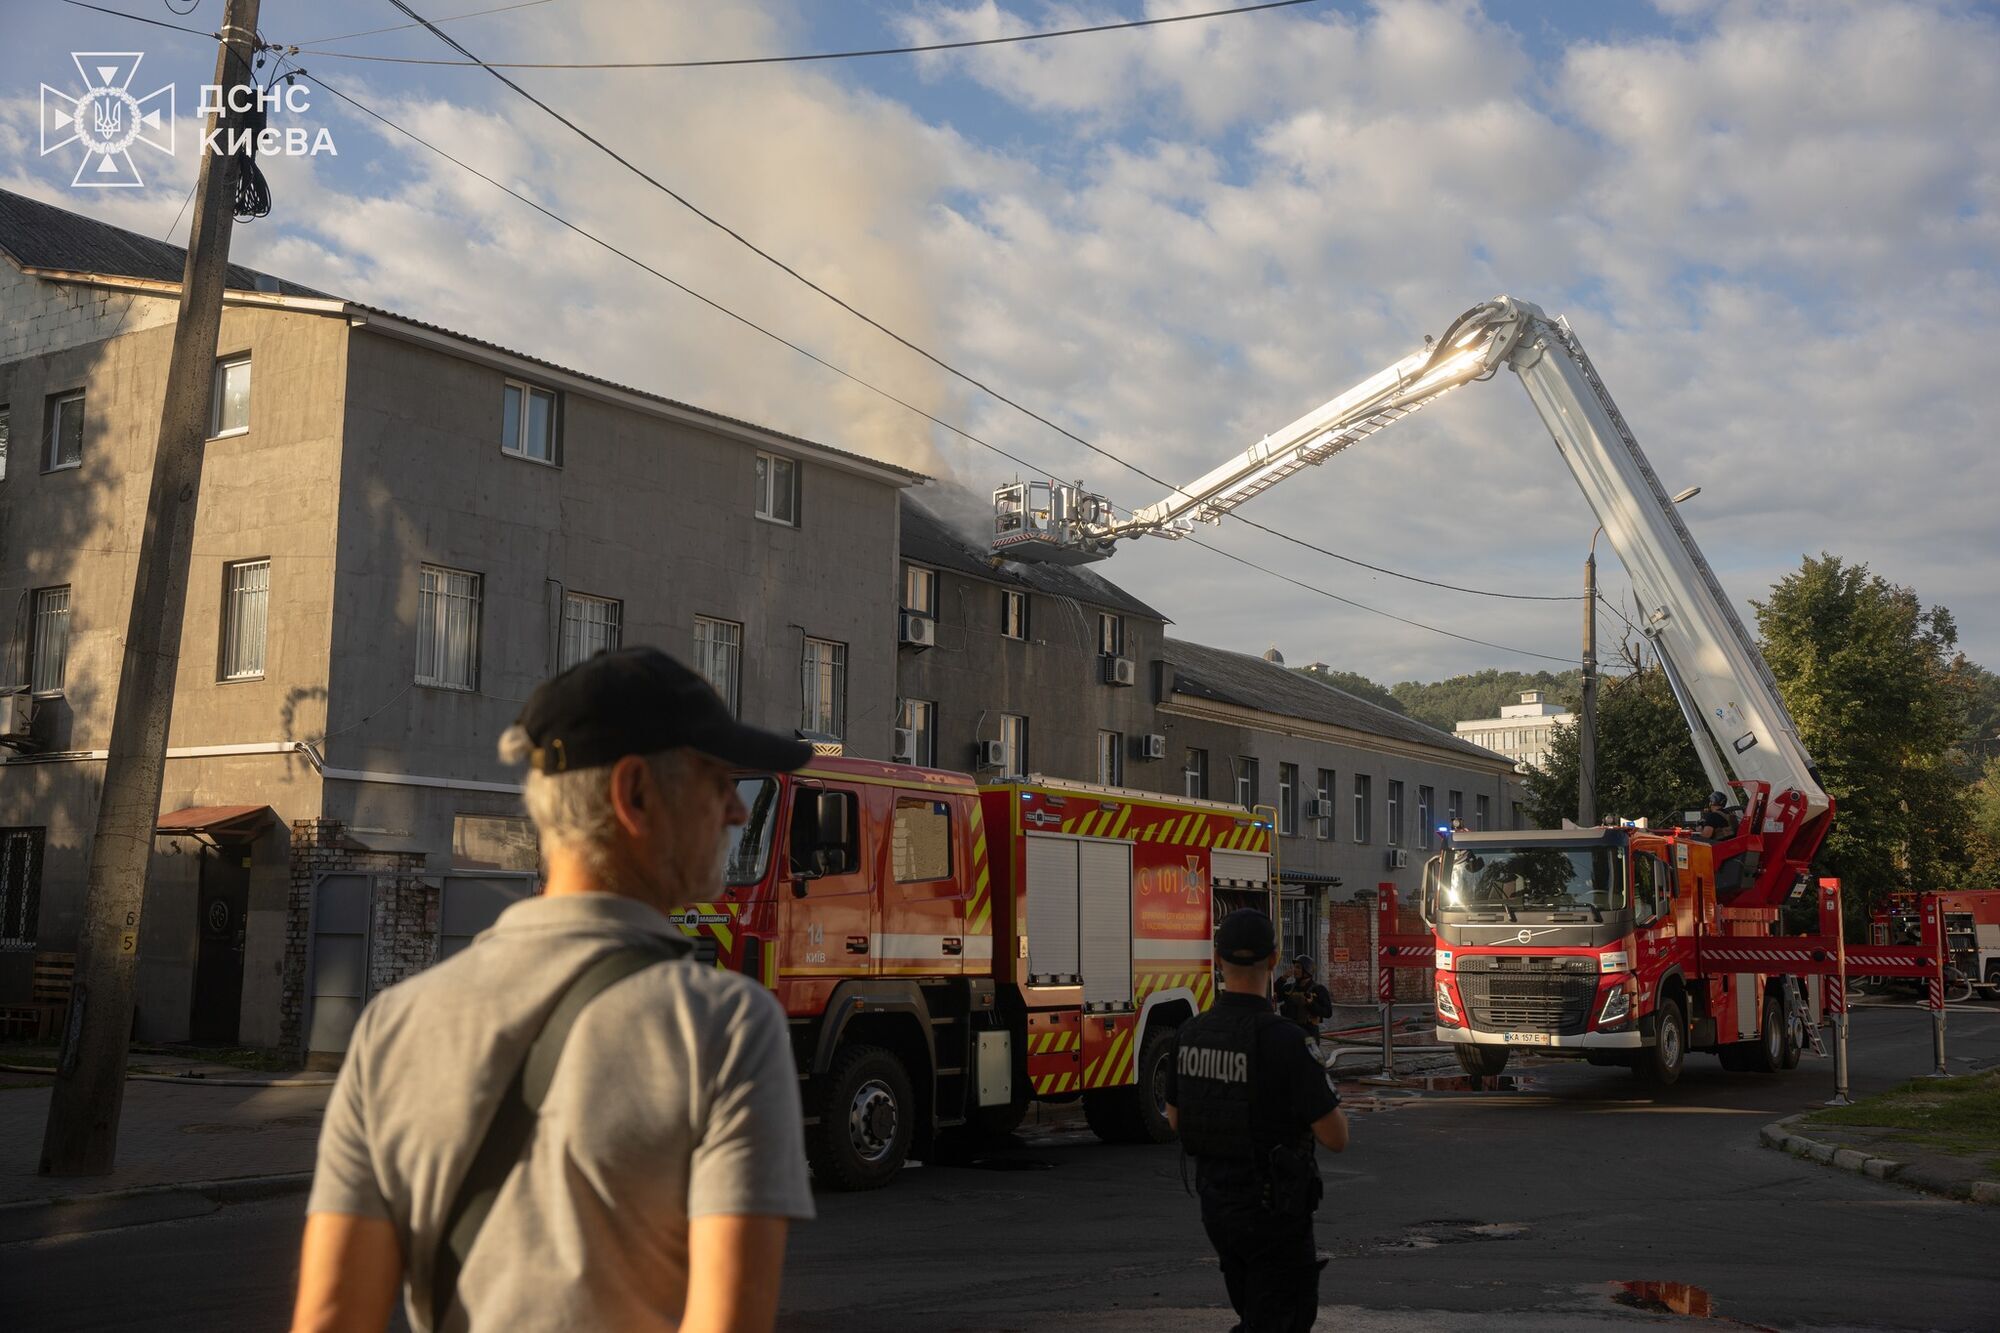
[1483, 813]
[590, 625]
[528, 422]
[494, 842]
[1013, 744]
[1516, 812]
[1194, 775]
[920, 849]
[1323, 793]
[1246, 782]
[1363, 806]
[919, 718]
[246, 601]
[20, 886]
[919, 590]
[5, 429]
[1456, 810]
[229, 413]
[1395, 814]
[1110, 635]
[824, 675]
[1013, 610]
[447, 628]
[1111, 758]
[718, 656]
[48, 640]
[65, 430]
[778, 489]
[1427, 799]
[1288, 799]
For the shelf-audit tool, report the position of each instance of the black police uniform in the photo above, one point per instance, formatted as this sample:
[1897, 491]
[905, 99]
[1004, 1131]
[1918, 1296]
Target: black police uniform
[1247, 1092]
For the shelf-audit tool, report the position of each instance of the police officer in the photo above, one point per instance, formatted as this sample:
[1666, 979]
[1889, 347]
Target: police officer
[1249, 1101]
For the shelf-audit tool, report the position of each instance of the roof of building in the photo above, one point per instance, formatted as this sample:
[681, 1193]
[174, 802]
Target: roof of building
[1251, 682]
[931, 540]
[36, 235]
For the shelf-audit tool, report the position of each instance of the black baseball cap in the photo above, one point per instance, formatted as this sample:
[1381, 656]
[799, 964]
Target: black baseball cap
[641, 701]
[1245, 937]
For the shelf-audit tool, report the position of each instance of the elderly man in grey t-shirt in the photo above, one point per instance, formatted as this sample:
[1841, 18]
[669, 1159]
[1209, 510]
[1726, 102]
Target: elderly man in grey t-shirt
[650, 1185]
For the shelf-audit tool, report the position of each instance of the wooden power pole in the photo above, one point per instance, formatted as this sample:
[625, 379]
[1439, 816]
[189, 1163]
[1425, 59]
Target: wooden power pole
[82, 1134]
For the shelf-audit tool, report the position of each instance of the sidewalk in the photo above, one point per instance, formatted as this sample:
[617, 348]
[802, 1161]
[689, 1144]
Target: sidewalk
[181, 1145]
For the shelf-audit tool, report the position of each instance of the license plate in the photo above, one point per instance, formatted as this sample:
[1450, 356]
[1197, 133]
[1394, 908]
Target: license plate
[1527, 1038]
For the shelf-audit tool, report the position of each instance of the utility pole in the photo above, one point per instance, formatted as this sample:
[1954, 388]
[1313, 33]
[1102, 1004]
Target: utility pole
[1586, 727]
[82, 1134]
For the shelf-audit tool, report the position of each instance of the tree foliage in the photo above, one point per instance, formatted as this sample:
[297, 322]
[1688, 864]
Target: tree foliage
[1354, 683]
[1440, 703]
[1646, 765]
[1881, 698]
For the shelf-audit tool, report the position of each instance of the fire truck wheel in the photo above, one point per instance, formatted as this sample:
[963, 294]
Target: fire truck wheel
[1771, 1038]
[866, 1117]
[1660, 1064]
[1480, 1061]
[1136, 1114]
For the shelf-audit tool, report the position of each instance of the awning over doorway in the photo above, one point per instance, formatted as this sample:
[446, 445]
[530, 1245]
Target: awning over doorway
[218, 823]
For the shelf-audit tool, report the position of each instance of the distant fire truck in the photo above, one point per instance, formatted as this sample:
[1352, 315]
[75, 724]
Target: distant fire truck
[1971, 932]
[951, 952]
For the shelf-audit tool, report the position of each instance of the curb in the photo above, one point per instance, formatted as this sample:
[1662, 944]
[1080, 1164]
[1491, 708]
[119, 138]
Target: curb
[1779, 1135]
[66, 1215]
[188, 1080]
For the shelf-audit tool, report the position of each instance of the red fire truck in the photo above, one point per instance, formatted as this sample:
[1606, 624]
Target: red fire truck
[1971, 934]
[950, 952]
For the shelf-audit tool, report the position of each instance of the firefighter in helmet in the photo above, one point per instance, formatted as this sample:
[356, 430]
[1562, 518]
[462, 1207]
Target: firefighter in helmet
[1249, 1101]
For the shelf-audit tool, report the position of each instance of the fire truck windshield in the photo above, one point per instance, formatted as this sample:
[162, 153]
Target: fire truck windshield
[750, 844]
[1507, 881]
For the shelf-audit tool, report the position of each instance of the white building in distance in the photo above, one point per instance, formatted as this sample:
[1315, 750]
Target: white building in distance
[1523, 731]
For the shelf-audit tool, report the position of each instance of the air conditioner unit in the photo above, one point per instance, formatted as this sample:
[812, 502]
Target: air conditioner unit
[17, 718]
[1319, 810]
[1398, 858]
[989, 754]
[1120, 671]
[1153, 746]
[904, 746]
[918, 631]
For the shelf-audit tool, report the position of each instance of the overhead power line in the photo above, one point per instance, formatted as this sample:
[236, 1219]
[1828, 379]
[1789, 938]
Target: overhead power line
[964, 45]
[817, 359]
[961, 375]
[404, 27]
[141, 18]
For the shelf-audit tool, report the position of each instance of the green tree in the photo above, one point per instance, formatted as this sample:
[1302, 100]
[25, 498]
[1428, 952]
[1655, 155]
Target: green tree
[1354, 683]
[1440, 703]
[1982, 838]
[1646, 765]
[1881, 698]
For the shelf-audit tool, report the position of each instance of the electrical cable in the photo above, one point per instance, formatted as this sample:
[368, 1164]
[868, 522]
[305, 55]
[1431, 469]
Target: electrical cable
[923, 352]
[141, 18]
[959, 431]
[404, 27]
[967, 44]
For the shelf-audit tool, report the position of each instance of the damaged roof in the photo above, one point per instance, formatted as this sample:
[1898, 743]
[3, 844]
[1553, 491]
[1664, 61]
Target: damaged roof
[931, 540]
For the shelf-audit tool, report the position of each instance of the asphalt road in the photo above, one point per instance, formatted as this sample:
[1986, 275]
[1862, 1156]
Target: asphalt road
[1516, 1210]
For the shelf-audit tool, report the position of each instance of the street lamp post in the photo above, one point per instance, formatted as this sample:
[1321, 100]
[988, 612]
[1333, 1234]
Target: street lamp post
[1586, 727]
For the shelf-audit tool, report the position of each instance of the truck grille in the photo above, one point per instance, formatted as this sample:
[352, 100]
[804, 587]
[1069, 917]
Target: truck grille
[1511, 998]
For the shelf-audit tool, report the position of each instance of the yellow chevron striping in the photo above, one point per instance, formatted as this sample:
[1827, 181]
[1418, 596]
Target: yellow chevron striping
[979, 848]
[1207, 835]
[1090, 1075]
[977, 923]
[1124, 815]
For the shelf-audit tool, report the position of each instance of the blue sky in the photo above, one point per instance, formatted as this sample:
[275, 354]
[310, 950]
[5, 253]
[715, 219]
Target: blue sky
[1774, 225]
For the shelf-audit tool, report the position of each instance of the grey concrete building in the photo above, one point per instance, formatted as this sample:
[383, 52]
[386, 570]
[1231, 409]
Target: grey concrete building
[402, 529]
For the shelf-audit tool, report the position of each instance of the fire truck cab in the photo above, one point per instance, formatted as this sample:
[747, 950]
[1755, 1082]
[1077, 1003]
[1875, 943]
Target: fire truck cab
[949, 952]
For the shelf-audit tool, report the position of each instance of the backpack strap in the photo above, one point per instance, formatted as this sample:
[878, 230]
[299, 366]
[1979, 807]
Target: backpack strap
[513, 1125]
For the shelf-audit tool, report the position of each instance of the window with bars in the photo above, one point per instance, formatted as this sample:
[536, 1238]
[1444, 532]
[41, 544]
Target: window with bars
[589, 626]
[229, 413]
[528, 422]
[48, 640]
[65, 430]
[778, 489]
[20, 886]
[246, 602]
[447, 628]
[823, 672]
[1111, 758]
[1013, 609]
[1288, 799]
[1194, 775]
[718, 656]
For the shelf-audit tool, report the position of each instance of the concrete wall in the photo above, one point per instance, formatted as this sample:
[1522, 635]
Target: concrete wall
[1053, 678]
[653, 512]
[267, 493]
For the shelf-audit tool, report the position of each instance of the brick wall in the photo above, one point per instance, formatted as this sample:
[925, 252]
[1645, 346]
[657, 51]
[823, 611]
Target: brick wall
[1351, 935]
[38, 317]
[403, 933]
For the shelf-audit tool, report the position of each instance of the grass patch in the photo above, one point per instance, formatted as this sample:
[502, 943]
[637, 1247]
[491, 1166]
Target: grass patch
[22, 1053]
[1956, 1115]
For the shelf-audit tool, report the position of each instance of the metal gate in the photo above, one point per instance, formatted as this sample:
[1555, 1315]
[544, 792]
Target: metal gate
[468, 904]
[337, 963]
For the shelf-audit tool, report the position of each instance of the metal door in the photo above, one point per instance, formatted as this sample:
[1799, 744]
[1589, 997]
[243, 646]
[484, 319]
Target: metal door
[468, 904]
[337, 975]
[223, 901]
[1104, 922]
[1052, 890]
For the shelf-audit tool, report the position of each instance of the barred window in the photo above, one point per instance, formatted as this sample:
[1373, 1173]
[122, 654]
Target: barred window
[447, 628]
[824, 688]
[718, 657]
[590, 626]
[246, 597]
[48, 640]
[20, 886]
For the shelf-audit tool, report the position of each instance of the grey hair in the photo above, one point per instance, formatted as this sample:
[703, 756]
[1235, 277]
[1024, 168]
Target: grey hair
[573, 811]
